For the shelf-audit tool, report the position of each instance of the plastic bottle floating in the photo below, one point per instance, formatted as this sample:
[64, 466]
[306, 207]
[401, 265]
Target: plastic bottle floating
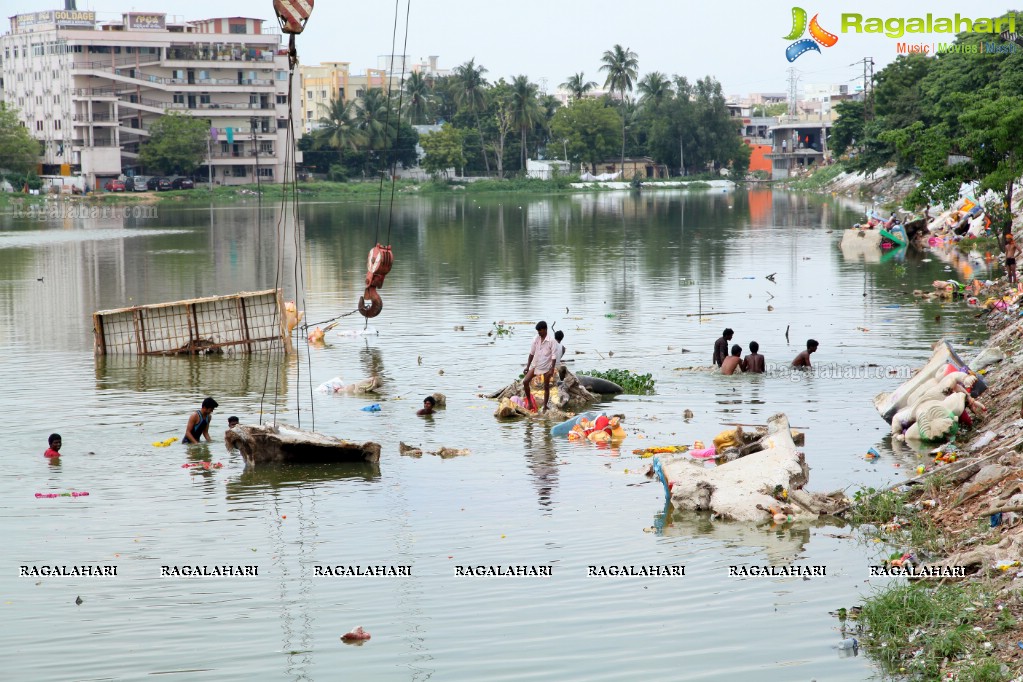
[72, 493]
[165, 443]
[203, 465]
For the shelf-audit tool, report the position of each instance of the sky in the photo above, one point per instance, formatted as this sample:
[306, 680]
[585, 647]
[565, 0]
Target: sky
[740, 42]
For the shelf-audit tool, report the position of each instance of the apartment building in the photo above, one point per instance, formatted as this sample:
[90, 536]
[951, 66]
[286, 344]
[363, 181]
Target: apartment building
[90, 90]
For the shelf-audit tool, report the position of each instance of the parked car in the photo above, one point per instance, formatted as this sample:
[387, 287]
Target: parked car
[164, 184]
[152, 182]
[114, 186]
[137, 183]
[182, 183]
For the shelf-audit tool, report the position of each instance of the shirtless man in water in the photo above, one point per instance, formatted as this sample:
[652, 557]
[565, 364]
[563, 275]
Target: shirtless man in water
[733, 362]
[803, 359]
[1011, 253]
[754, 362]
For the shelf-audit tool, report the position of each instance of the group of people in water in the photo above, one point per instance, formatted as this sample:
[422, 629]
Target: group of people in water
[730, 360]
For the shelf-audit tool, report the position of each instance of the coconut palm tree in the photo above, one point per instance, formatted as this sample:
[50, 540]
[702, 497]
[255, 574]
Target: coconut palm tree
[339, 127]
[525, 109]
[419, 93]
[578, 86]
[654, 88]
[470, 92]
[377, 122]
[622, 66]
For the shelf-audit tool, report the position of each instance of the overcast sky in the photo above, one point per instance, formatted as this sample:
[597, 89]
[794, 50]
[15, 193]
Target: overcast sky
[740, 42]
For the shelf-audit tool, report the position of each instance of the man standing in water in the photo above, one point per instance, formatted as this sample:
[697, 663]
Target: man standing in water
[754, 362]
[543, 351]
[721, 346]
[1011, 254]
[199, 422]
[803, 359]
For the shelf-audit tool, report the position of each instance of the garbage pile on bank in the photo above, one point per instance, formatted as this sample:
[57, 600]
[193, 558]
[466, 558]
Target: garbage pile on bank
[762, 480]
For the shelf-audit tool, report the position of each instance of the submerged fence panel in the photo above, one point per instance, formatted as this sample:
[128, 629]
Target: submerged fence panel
[246, 322]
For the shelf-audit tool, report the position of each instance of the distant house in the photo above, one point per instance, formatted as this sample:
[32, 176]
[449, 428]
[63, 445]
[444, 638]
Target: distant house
[798, 145]
[643, 166]
[547, 168]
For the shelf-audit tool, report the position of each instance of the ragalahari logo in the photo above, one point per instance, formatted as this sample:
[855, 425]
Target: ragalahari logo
[818, 35]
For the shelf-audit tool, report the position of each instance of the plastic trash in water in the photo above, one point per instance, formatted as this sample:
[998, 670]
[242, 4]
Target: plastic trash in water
[996, 520]
[873, 454]
[375, 407]
[848, 643]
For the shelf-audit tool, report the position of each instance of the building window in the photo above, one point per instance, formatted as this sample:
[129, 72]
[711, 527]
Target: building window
[309, 94]
[281, 75]
[323, 94]
[282, 99]
[237, 28]
[282, 124]
[239, 171]
[179, 99]
[308, 115]
[204, 99]
[39, 126]
[56, 99]
[266, 147]
[56, 125]
[266, 173]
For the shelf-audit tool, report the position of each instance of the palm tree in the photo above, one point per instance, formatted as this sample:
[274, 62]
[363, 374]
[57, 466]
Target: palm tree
[339, 127]
[419, 94]
[376, 121]
[622, 66]
[654, 88]
[525, 109]
[578, 86]
[470, 93]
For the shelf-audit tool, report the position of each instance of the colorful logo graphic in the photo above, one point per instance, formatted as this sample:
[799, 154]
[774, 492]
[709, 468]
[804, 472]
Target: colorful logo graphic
[817, 35]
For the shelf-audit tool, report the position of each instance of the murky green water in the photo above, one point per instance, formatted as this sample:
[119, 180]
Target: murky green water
[624, 275]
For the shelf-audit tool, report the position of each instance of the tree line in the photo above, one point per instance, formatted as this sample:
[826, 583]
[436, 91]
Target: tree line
[952, 118]
[494, 127]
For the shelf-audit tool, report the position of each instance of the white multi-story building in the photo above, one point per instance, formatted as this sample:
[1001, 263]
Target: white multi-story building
[90, 91]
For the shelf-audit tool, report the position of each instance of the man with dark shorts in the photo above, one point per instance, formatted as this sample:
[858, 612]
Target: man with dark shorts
[1011, 253]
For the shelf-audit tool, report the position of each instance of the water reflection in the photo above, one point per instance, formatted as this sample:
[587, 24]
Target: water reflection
[254, 481]
[779, 544]
[541, 460]
[235, 375]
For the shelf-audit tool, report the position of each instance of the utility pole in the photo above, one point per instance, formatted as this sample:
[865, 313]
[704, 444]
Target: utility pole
[793, 91]
[868, 87]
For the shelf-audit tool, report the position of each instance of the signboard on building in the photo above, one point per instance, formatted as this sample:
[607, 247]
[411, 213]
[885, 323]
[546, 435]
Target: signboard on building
[61, 18]
[135, 21]
[67, 18]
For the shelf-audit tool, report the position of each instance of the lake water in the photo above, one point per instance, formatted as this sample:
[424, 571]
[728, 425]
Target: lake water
[634, 280]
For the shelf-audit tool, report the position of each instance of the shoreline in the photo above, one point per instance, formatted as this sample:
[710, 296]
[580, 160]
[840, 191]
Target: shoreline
[345, 191]
[968, 626]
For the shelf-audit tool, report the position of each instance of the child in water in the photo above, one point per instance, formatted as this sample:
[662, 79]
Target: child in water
[53, 451]
[428, 403]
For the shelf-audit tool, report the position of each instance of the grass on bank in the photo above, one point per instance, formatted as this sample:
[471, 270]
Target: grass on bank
[816, 180]
[924, 632]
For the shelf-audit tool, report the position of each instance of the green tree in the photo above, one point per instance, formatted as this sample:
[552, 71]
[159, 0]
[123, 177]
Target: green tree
[419, 95]
[995, 144]
[339, 127]
[19, 151]
[654, 89]
[578, 86]
[443, 149]
[622, 67]
[525, 109]
[470, 92]
[176, 144]
[587, 128]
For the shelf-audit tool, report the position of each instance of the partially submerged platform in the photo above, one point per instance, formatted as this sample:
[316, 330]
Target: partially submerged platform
[284, 444]
[245, 322]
